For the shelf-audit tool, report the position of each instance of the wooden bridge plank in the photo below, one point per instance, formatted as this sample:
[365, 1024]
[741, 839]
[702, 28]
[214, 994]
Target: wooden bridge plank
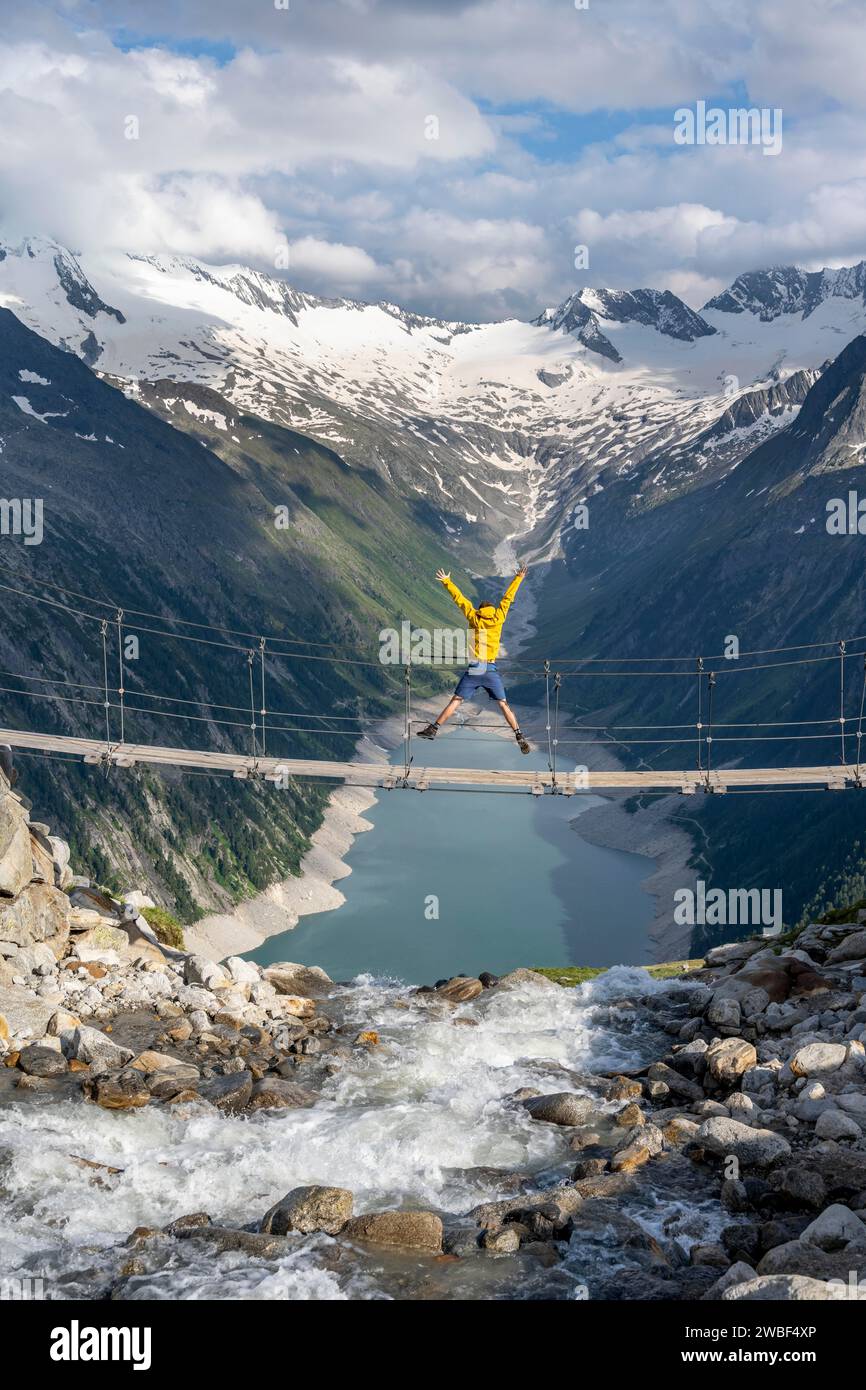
[374, 774]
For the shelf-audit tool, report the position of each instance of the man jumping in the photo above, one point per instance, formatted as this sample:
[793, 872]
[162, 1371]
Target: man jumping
[486, 621]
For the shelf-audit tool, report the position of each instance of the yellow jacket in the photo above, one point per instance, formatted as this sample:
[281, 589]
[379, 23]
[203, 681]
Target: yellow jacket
[486, 621]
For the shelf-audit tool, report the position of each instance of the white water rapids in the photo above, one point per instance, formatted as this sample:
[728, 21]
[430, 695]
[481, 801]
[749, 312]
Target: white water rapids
[404, 1123]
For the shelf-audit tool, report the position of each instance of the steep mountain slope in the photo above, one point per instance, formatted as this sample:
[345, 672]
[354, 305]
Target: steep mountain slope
[143, 516]
[749, 556]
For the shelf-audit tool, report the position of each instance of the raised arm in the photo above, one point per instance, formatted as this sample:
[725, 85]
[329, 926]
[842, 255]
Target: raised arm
[508, 597]
[462, 602]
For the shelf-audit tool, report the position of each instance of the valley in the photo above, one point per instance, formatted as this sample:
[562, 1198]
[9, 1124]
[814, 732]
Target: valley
[622, 442]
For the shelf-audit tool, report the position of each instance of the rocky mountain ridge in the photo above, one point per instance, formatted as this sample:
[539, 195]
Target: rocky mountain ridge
[493, 427]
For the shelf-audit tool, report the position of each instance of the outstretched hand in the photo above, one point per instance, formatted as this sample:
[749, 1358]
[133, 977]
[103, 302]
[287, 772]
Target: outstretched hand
[440, 574]
[522, 572]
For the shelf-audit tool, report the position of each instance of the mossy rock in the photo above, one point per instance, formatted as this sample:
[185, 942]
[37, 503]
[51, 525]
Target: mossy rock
[837, 916]
[168, 929]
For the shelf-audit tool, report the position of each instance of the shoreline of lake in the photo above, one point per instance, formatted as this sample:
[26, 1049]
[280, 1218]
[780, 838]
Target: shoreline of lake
[280, 907]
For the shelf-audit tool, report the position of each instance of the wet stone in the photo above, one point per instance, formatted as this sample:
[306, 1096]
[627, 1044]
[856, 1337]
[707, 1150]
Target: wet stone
[228, 1093]
[42, 1061]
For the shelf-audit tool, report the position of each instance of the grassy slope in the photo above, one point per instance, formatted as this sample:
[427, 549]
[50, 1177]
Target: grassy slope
[578, 974]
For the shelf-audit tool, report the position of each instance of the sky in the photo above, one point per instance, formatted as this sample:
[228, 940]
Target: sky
[450, 156]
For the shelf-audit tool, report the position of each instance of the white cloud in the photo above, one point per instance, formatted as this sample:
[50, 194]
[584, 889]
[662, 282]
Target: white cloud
[332, 263]
[316, 131]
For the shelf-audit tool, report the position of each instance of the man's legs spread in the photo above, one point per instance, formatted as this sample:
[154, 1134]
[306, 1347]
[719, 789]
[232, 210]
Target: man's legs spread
[513, 724]
[509, 717]
[453, 704]
[431, 730]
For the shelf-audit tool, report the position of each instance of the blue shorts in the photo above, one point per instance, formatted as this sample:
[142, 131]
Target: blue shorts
[489, 680]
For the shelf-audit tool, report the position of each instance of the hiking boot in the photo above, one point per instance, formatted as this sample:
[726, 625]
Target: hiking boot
[430, 732]
[521, 742]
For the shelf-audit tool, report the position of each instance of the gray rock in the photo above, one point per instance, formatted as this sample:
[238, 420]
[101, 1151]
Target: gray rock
[734, 1195]
[60, 854]
[278, 1093]
[502, 1242]
[16, 860]
[37, 959]
[37, 1060]
[757, 1078]
[834, 1124]
[243, 972]
[724, 1013]
[759, 1148]
[677, 1084]
[561, 1108]
[228, 1093]
[461, 1240]
[835, 1229]
[406, 1230]
[39, 913]
[799, 1257]
[309, 1209]
[743, 1108]
[304, 981]
[25, 1015]
[800, 1185]
[514, 978]
[89, 1045]
[165, 1085]
[192, 1221]
[853, 1103]
[198, 970]
[818, 1058]
[785, 1288]
[645, 1143]
[122, 1090]
[492, 1215]
[739, 1273]
[732, 951]
[227, 1240]
[706, 1108]
[853, 947]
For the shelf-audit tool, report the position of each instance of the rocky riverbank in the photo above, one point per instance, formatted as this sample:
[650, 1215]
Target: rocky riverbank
[173, 1127]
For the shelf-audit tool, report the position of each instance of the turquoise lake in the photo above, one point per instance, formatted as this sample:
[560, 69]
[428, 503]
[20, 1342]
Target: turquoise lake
[508, 873]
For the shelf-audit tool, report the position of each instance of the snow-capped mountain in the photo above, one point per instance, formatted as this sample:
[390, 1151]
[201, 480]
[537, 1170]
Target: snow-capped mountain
[786, 290]
[582, 314]
[497, 428]
[708, 443]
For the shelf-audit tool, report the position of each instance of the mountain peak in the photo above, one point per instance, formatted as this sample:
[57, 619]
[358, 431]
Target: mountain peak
[42, 259]
[584, 311]
[261, 290]
[786, 289]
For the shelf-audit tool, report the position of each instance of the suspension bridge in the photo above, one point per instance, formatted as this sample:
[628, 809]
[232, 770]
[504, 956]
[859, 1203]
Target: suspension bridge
[117, 699]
